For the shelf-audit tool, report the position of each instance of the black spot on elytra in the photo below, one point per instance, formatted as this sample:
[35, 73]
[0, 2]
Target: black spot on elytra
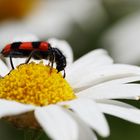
[36, 44]
[15, 45]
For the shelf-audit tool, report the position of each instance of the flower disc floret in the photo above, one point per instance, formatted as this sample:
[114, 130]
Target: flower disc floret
[36, 84]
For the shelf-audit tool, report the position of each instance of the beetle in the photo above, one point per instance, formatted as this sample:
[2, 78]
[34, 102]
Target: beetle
[37, 50]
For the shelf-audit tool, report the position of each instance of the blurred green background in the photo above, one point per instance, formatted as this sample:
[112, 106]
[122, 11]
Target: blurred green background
[86, 25]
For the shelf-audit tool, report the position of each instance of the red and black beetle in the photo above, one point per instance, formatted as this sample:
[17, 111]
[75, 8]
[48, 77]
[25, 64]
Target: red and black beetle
[37, 50]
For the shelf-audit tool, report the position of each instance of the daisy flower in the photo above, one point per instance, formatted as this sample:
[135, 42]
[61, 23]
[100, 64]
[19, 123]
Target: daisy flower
[70, 108]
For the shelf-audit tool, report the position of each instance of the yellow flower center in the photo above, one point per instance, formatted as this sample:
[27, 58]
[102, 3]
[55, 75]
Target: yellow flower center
[35, 84]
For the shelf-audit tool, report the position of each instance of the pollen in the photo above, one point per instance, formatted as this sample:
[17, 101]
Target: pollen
[36, 84]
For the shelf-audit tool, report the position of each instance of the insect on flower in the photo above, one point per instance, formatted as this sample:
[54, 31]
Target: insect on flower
[37, 50]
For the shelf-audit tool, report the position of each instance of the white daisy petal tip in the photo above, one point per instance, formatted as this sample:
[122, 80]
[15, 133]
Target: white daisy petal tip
[64, 47]
[121, 110]
[111, 91]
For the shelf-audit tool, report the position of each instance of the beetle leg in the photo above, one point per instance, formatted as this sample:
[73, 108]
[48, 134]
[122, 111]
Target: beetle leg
[64, 75]
[52, 60]
[48, 63]
[13, 54]
[11, 62]
[30, 56]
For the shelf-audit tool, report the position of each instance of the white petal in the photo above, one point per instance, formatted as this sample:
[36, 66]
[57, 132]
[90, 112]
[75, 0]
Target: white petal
[105, 73]
[87, 63]
[89, 112]
[9, 108]
[7, 63]
[94, 57]
[64, 47]
[129, 114]
[18, 61]
[131, 79]
[114, 91]
[58, 124]
[115, 102]
[3, 69]
[85, 132]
